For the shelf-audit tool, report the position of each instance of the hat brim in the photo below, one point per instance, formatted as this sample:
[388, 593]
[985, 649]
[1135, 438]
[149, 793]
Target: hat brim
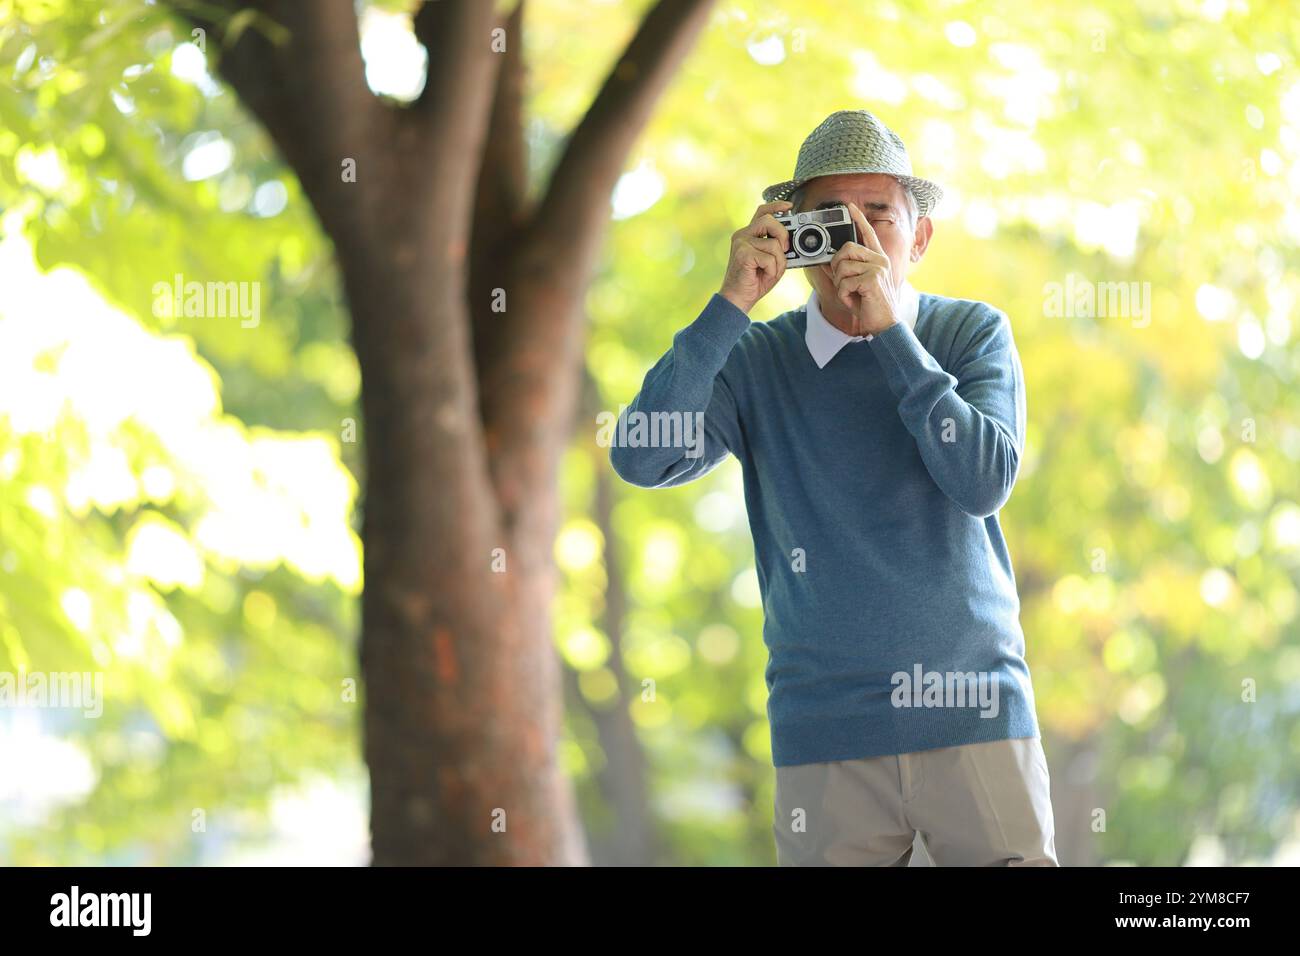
[927, 193]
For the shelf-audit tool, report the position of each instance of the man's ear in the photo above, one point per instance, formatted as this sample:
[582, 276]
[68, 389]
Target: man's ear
[921, 241]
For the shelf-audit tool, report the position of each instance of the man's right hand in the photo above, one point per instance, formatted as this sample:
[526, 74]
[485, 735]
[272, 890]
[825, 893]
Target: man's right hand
[757, 257]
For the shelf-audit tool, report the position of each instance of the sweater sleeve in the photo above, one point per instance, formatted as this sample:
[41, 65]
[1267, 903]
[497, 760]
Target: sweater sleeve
[683, 422]
[970, 426]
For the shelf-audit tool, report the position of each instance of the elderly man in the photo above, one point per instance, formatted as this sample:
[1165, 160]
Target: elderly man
[879, 430]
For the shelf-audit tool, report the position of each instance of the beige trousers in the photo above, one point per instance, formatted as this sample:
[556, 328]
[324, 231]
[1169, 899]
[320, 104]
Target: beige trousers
[985, 804]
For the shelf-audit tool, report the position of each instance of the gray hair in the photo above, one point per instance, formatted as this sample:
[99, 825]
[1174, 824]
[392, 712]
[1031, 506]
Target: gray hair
[913, 209]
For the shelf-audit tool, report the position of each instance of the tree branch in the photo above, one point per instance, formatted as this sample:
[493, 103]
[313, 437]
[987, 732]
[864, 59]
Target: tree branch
[298, 68]
[456, 34]
[529, 355]
[501, 196]
[502, 190]
[594, 156]
[440, 137]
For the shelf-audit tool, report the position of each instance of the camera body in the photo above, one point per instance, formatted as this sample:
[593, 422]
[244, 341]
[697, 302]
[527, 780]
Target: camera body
[816, 235]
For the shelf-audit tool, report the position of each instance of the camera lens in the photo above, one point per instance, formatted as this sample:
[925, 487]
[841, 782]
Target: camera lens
[811, 240]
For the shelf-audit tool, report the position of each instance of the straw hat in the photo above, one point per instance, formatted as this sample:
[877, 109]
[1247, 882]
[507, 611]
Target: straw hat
[855, 141]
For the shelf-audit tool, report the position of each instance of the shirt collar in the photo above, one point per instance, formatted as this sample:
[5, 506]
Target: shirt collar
[825, 340]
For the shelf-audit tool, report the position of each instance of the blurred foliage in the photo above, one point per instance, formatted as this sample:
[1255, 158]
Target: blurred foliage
[1155, 529]
[177, 500]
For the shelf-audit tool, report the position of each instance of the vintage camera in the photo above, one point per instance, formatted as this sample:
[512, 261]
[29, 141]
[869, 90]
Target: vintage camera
[816, 235]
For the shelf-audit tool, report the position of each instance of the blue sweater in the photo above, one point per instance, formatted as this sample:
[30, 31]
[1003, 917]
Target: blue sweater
[891, 615]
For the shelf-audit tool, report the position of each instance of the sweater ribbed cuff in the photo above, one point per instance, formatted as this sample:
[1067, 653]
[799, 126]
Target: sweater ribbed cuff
[905, 360]
[717, 328]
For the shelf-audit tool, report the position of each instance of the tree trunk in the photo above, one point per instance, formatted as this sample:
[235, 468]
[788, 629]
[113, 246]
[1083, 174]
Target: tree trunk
[631, 839]
[461, 715]
[467, 408]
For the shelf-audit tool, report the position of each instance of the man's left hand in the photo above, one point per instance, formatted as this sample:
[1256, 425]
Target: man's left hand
[864, 280]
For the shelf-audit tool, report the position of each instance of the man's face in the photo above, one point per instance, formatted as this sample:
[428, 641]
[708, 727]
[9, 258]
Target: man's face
[883, 201]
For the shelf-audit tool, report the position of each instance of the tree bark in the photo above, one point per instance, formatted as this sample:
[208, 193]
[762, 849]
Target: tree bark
[466, 409]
